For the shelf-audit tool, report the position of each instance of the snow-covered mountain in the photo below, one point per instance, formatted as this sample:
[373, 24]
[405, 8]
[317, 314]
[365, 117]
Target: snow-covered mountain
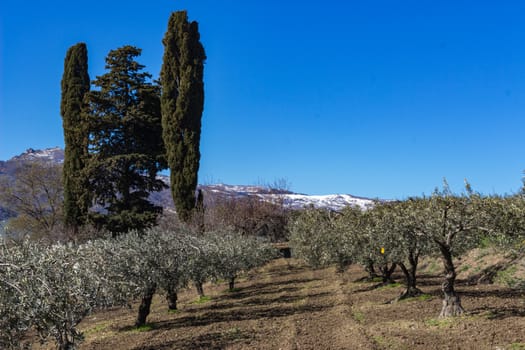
[331, 201]
[55, 155]
[163, 198]
[290, 199]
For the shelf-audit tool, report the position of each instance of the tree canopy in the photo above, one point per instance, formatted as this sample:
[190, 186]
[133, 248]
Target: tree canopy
[75, 85]
[182, 104]
[125, 143]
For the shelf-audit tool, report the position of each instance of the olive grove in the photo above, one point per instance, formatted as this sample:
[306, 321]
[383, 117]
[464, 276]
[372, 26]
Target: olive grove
[391, 234]
[48, 290]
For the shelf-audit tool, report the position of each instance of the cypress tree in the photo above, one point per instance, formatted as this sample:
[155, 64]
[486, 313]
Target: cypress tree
[182, 103]
[75, 84]
[125, 143]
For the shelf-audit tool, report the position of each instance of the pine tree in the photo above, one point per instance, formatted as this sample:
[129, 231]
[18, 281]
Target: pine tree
[182, 104]
[125, 143]
[75, 84]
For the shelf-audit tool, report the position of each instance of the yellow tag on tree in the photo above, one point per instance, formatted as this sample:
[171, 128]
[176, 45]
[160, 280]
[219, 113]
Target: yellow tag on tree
[382, 250]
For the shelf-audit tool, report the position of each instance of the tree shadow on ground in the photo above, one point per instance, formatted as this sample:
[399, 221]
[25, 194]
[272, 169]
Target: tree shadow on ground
[267, 288]
[373, 286]
[499, 313]
[285, 270]
[503, 293]
[255, 301]
[487, 275]
[211, 317]
[245, 294]
[259, 286]
[426, 280]
[209, 341]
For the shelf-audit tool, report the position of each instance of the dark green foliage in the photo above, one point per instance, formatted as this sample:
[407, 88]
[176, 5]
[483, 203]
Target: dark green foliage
[125, 143]
[75, 84]
[182, 105]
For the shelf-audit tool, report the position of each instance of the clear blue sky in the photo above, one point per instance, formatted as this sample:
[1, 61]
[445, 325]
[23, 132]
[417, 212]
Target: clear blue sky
[371, 98]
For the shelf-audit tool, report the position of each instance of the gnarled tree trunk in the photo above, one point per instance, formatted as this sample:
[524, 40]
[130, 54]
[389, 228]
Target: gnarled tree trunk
[386, 272]
[200, 289]
[410, 281]
[145, 306]
[369, 267]
[171, 297]
[451, 302]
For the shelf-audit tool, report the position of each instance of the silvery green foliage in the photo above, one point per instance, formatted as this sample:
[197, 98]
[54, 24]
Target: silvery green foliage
[354, 237]
[103, 258]
[141, 260]
[452, 221]
[168, 258]
[507, 221]
[200, 263]
[16, 307]
[404, 237]
[313, 236]
[54, 290]
[358, 233]
[323, 238]
[68, 294]
[137, 261]
[51, 289]
[390, 233]
[236, 253]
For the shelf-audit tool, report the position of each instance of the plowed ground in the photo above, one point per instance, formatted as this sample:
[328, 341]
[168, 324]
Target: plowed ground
[286, 305]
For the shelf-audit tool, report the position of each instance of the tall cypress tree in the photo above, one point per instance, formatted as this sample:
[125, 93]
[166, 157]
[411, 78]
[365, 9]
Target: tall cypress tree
[182, 103]
[125, 143]
[75, 84]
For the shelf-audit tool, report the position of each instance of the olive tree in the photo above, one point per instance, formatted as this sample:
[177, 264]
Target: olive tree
[399, 240]
[48, 289]
[237, 253]
[454, 224]
[323, 238]
[16, 309]
[70, 292]
[507, 219]
[373, 237]
[146, 261]
[312, 234]
[199, 264]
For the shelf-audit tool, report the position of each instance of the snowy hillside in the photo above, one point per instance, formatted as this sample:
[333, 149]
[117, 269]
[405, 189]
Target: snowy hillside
[222, 191]
[55, 154]
[331, 201]
[290, 199]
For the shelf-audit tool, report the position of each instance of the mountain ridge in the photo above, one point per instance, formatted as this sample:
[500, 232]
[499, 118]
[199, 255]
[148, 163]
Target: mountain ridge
[163, 198]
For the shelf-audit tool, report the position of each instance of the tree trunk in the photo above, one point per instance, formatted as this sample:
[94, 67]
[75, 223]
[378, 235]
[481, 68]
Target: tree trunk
[451, 302]
[410, 282]
[232, 284]
[369, 267]
[171, 297]
[386, 272]
[145, 306]
[66, 346]
[63, 341]
[200, 289]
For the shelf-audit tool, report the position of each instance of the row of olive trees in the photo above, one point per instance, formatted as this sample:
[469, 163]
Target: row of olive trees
[48, 290]
[398, 233]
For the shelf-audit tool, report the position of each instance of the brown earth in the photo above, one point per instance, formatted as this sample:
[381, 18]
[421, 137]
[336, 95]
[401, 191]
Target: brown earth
[286, 305]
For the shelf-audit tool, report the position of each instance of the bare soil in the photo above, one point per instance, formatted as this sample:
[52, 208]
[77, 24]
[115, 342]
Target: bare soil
[286, 305]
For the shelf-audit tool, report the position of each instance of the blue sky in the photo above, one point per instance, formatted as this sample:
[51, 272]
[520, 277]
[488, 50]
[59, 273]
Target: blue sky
[371, 98]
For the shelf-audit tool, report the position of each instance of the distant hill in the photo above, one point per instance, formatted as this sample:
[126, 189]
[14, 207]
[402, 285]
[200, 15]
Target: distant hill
[290, 199]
